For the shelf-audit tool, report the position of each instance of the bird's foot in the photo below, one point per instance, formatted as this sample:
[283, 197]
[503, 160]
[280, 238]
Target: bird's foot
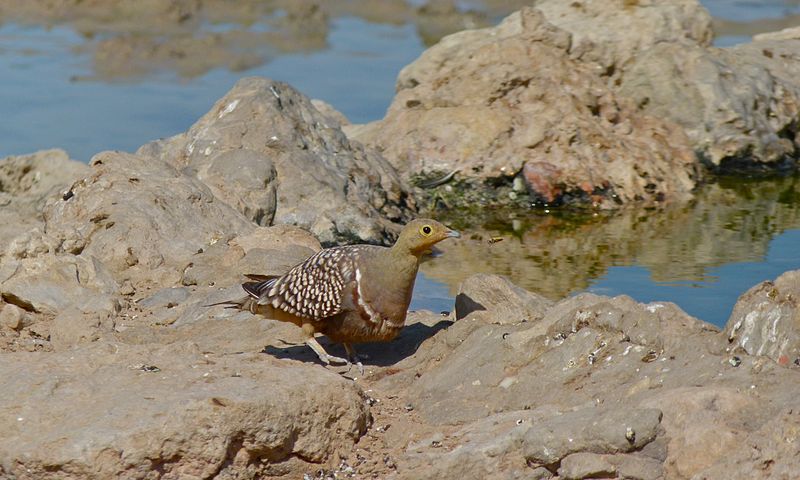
[354, 357]
[324, 356]
[330, 359]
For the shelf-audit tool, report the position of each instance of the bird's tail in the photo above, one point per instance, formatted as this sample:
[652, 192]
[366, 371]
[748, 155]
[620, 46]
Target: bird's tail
[248, 304]
[254, 290]
[260, 285]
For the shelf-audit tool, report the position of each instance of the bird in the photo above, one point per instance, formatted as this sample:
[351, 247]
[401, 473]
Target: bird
[351, 294]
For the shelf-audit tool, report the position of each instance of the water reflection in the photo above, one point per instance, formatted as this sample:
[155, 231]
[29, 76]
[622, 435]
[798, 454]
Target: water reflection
[736, 21]
[706, 243]
[134, 39]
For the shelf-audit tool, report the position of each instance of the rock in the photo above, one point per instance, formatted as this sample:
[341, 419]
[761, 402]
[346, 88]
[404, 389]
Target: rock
[26, 181]
[637, 467]
[265, 251]
[13, 317]
[578, 466]
[792, 33]
[245, 180]
[513, 444]
[768, 453]
[589, 430]
[698, 420]
[610, 33]
[170, 411]
[495, 367]
[487, 103]
[39, 174]
[738, 105]
[487, 448]
[540, 473]
[766, 320]
[52, 283]
[166, 297]
[140, 217]
[646, 388]
[332, 116]
[506, 302]
[73, 327]
[336, 188]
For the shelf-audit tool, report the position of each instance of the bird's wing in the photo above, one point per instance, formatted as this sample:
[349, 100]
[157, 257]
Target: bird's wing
[317, 288]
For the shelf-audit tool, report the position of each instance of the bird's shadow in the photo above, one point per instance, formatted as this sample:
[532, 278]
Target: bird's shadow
[372, 354]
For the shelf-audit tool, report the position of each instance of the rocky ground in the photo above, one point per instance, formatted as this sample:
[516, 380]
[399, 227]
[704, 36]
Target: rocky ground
[113, 366]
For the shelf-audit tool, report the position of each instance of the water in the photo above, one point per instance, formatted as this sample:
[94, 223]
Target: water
[702, 255]
[53, 99]
[84, 86]
[736, 21]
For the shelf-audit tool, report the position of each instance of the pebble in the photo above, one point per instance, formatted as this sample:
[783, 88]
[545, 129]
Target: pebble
[12, 317]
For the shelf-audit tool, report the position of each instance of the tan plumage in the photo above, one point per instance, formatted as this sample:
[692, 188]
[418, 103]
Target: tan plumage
[352, 294]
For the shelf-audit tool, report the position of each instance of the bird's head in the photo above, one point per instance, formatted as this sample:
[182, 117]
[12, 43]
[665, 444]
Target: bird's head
[418, 236]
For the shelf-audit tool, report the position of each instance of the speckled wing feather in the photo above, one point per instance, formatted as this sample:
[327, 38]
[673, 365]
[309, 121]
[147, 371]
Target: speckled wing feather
[317, 287]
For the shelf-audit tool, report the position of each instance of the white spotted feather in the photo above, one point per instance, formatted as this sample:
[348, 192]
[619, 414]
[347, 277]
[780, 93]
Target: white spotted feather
[315, 288]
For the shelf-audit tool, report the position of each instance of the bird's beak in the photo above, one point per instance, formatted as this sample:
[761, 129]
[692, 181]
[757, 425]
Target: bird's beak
[453, 233]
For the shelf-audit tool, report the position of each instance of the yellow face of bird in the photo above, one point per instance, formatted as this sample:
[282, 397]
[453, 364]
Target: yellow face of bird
[419, 235]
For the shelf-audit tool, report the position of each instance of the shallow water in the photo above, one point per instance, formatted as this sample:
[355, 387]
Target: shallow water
[60, 88]
[701, 255]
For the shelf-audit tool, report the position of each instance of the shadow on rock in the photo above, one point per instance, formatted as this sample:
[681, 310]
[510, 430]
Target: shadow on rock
[372, 354]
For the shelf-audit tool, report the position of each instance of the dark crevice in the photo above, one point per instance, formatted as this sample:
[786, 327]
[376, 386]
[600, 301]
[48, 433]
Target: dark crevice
[15, 300]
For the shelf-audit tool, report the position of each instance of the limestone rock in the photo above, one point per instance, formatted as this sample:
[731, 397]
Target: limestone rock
[553, 440]
[699, 424]
[643, 388]
[766, 320]
[265, 250]
[792, 33]
[489, 102]
[578, 466]
[768, 453]
[739, 105]
[141, 217]
[51, 283]
[13, 317]
[73, 327]
[26, 182]
[245, 180]
[610, 33]
[135, 411]
[336, 188]
[506, 302]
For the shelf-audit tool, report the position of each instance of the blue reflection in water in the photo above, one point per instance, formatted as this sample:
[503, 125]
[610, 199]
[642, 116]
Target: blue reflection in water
[48, 101]
[711, 300]
[430, 294]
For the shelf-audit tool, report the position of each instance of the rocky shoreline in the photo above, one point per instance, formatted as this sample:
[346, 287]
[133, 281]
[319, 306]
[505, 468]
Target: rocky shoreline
[113, 366]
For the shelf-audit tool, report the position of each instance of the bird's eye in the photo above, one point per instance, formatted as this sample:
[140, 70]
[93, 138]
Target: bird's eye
[426, 230]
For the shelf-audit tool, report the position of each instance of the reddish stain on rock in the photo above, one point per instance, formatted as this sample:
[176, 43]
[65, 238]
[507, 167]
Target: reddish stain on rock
[543, 179]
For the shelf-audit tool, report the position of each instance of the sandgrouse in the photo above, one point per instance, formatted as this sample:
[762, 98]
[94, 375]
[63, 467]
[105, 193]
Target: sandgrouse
[352, 294]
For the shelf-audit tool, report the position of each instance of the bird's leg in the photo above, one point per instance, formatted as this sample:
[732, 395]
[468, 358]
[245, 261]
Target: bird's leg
[353, 356]
[326, 358]
[312, 342]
